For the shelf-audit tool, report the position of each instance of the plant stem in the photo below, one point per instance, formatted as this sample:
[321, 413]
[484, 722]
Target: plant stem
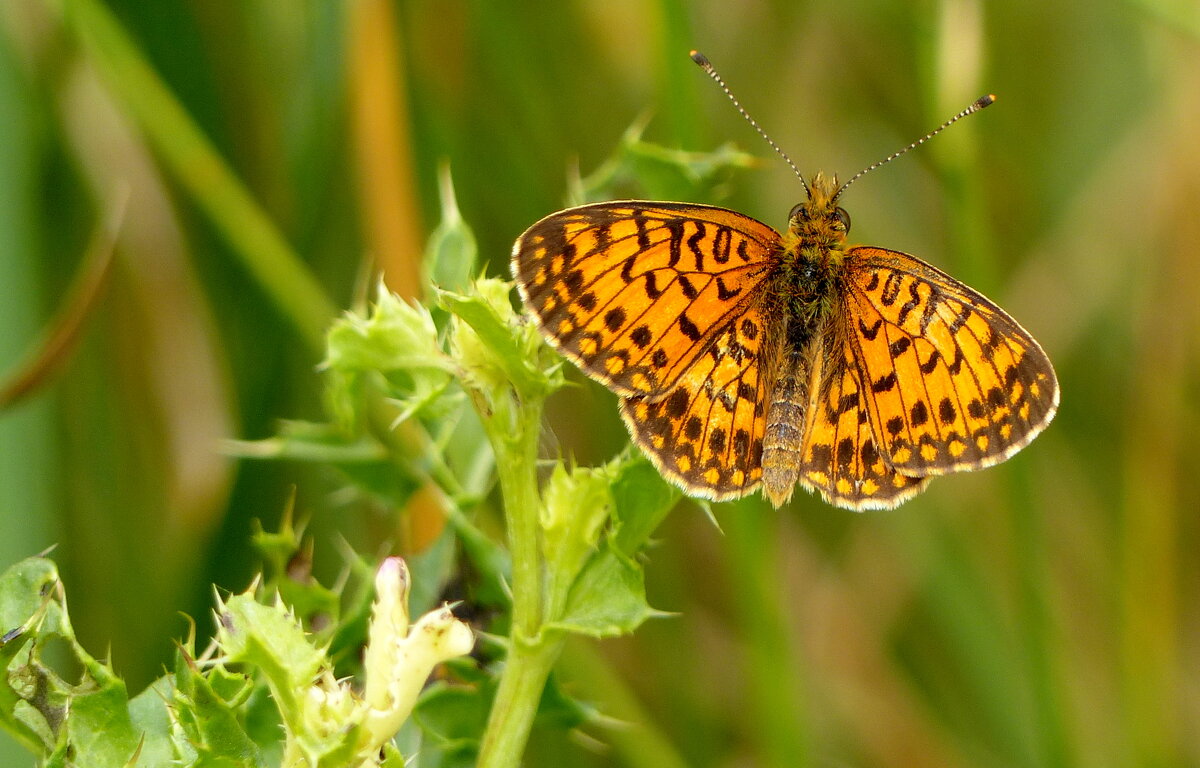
[513, 431]
[516, 703]
[517, 467]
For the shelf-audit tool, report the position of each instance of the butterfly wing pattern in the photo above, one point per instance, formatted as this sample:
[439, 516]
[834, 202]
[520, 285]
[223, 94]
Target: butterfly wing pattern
[900, 372]
[633, 293]
[951, 382]
[706, 434]
[660, 302]
[841, 455]
[917, 375]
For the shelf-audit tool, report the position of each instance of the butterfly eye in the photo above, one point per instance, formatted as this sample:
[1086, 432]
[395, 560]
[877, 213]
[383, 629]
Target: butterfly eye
[842, 218]
[799, 211]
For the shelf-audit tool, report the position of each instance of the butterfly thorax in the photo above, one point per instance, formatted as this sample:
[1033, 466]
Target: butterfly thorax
[811, 255]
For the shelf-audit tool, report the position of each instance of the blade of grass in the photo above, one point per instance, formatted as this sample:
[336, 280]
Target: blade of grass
[973, 680]
[677, 73]
[1044, 667]
[195, 163]
[85, 291]
[31, 470]
[1151, 598]
[955, 44]
[385, 166]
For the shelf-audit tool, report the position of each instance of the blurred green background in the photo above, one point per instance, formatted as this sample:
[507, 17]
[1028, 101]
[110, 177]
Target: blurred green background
[1042, 613]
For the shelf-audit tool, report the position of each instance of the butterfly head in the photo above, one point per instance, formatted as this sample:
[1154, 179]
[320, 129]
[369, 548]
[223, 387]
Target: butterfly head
[819, 220]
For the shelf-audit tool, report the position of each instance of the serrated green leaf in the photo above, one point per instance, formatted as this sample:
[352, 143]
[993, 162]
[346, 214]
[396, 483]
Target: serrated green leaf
[312, 602]
[23, 588]
[24, 609]
[396, 335]
[148, 713]
[642, 499]
[99, 729]
[231, 687]
[641, 169]
[217, 761]
[207, 709]
[576, 505]
[495, 350]
[262, 722]
[666, 169]
[277, 548]
[269, 638]
[88, 721]
[608, 598]
[397, 348]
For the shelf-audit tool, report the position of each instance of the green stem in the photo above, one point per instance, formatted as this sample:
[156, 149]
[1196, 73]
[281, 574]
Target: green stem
[516, 704]
[513, 431]
[516, 460]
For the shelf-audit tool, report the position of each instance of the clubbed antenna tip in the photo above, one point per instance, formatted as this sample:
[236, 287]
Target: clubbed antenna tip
[978, 104]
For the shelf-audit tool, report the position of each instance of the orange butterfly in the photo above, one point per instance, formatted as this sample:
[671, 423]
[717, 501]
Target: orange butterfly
[746, 358]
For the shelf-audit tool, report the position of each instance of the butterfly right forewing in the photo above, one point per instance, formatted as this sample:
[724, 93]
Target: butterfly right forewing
[634, 292]
[951, 382]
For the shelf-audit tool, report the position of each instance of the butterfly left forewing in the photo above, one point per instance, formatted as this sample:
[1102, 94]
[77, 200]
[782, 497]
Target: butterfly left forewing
[634, 292]
[951, 382]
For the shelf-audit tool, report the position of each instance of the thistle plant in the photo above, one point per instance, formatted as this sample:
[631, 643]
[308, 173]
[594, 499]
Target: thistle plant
[443, 399]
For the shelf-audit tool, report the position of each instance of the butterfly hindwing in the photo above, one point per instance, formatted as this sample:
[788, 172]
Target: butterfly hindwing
[634, 292]
[951, 382]
[840, 457]
[706, 433]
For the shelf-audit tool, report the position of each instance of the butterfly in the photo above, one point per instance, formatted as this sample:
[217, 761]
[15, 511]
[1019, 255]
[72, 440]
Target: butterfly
[750, 359]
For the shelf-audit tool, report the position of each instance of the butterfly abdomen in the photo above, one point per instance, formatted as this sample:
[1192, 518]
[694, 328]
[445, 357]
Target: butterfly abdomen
[783, 439]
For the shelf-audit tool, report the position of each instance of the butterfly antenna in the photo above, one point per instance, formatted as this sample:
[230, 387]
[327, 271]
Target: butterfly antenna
[978, 104]
[707, 66]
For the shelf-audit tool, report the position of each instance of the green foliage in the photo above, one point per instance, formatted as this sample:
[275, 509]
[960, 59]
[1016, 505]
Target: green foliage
[643, 169]
[267, 674]
[391, 371]
[51, 715]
